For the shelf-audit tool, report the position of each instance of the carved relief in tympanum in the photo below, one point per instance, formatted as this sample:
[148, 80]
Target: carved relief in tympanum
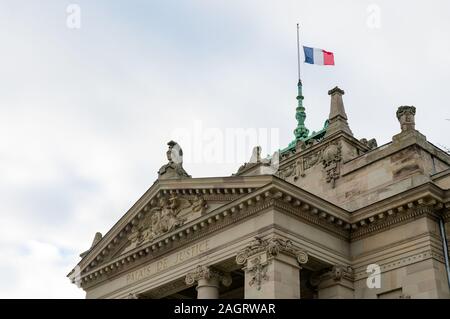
[169, 213]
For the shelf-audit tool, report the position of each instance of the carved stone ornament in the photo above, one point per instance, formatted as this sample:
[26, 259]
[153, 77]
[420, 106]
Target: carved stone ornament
[272, 246]
[257, 256]
[299, 167]
[339, 271]
[331, 160]
[168, 214]
[207, 273]
[286, 171]
[371, 144]
[258, 272]
[174, 169]
[199, 204]
[405, 115]
[312, 159]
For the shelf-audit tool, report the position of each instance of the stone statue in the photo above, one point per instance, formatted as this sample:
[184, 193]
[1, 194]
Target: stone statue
[405, 115]
[174, 169]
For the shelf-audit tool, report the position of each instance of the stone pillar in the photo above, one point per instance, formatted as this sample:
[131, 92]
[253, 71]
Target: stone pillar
[271, 268]
[337, 118]
[337, 283]
[208, 281]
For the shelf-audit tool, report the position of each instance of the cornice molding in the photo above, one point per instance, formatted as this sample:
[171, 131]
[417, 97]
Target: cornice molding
[393, 218]
[119, 231]
[427, 190]
[388, 149]
[402, 262]
[278, 194]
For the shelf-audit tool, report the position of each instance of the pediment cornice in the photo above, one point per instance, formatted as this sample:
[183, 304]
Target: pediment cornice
[273, 192]
[217, 189]
[277, 194]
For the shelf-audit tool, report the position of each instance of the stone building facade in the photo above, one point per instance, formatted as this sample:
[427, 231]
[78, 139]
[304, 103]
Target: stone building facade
[330, 216]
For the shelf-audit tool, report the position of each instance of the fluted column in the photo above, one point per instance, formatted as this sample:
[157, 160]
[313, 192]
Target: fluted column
[208, 281]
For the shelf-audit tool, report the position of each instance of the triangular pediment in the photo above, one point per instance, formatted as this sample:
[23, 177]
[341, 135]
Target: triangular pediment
[166, 206]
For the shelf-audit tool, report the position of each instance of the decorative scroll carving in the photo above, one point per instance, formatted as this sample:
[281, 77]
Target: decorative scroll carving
[339, 271]
[286, 172]
[272, 246]
[331, 160]
[330, 156]
[207, 273]
[168, 214]
[258, 253]
[299, 167]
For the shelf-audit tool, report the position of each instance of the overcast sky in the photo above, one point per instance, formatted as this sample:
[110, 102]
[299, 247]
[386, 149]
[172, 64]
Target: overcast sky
[85, 113]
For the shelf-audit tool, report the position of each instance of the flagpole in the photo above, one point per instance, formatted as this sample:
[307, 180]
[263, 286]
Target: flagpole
[300, 132]
[298, 52]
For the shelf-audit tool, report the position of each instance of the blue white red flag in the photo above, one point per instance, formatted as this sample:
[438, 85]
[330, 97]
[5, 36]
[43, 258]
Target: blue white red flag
[318, 56]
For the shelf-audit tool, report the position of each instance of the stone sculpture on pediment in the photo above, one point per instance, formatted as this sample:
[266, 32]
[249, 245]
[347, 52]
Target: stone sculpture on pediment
[168, 214]
[174, 168]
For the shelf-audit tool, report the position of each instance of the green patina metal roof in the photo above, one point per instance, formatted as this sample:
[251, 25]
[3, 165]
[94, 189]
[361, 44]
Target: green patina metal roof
[301, 132]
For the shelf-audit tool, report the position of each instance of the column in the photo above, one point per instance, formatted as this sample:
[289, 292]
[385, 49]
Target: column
[336, 283]
[272, 268]
[208, 281]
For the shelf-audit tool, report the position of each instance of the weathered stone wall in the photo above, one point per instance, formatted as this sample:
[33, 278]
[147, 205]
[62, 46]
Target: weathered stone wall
[411, 261]
[384, 172]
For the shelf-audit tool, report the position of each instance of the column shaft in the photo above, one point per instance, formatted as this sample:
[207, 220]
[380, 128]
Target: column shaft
[208, 289]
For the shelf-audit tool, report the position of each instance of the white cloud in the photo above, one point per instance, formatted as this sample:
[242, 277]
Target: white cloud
[34, 270]
[85, 114]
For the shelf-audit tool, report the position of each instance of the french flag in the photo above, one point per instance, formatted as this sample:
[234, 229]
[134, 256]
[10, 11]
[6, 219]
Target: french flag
[318, 56]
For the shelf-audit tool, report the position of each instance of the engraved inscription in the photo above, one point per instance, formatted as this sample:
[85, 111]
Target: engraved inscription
[167, 262]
